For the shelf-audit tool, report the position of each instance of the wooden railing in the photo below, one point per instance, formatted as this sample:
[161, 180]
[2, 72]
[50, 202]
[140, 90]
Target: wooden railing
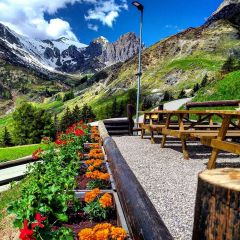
[142, 218]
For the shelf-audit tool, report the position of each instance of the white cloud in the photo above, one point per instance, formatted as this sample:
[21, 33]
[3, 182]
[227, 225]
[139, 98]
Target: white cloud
[93, 27]
[27, 17]
[106, 11]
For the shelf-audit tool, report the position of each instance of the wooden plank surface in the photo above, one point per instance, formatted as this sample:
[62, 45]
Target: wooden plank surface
[226, 146]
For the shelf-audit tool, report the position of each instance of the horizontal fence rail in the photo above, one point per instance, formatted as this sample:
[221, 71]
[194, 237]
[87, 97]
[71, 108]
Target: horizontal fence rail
[223, 103]
[16, 162]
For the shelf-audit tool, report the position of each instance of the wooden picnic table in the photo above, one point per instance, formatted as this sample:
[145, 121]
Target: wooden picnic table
[211, 134]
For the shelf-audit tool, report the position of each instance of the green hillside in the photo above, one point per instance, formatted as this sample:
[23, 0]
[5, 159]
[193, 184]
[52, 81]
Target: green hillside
[227, 88]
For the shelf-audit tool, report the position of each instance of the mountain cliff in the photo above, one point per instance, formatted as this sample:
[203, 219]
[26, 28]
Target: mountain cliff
[228, 10]
[64, 55]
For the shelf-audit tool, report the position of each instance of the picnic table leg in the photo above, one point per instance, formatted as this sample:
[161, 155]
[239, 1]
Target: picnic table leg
[142, 133]
[184, 149]
[164, 137]
[221, 135]
[152, 136]
[183, 140]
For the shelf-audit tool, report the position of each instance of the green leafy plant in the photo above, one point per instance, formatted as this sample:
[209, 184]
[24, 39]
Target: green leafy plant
[50, 185]
[98, 206]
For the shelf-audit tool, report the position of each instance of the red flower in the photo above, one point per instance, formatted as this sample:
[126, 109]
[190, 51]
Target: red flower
[60, 142]
[79, 132]
[39, 219]
[37, 154]
[25, 232]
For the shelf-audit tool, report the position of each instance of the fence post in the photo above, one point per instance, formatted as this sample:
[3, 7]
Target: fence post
[130, 112]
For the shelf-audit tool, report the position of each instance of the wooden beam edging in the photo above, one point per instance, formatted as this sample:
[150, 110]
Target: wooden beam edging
[220, 103]
[12, 179]
[13, 163]
[142, 218]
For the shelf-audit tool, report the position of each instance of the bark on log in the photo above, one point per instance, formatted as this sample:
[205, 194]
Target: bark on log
[217, 209]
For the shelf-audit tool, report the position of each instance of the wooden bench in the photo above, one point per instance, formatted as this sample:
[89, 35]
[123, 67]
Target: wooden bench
[228, 128]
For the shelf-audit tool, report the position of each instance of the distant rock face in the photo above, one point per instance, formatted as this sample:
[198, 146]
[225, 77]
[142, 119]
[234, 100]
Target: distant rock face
[228, 10]
[126, 47]
[65, 55]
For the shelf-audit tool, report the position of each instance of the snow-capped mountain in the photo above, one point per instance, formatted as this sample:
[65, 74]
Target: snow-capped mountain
[64, 55]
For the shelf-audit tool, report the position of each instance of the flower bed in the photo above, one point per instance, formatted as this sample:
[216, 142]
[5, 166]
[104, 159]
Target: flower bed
[51, 208]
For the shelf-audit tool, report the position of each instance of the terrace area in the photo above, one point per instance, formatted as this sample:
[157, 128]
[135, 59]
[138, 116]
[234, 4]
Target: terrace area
[168, 179]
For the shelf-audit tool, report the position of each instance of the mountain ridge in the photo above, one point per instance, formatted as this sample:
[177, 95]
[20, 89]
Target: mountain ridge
[64, 55]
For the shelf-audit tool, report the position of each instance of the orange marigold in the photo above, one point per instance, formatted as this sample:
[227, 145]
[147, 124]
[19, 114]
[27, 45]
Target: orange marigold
[102, 234]
[118, 233]
[90, 168]
[86, 234]
[104, 176]
[89, 162]
[97, 175]
[97, 163]
[106, 200]
[104, 231]
[90, 196]
[102, 226]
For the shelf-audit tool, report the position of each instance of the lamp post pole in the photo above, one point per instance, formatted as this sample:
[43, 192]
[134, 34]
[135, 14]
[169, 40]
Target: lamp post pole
[139, 74]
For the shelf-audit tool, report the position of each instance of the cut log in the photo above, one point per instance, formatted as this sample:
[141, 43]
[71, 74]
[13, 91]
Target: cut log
[217, 209]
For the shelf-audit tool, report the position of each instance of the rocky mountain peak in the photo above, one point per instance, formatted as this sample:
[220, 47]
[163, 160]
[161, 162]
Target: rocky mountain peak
[8, 35]
[228, 10]
[101, 40]
[121, 50]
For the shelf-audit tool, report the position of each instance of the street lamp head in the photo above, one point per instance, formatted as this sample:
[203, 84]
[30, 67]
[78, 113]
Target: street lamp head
[138, 5]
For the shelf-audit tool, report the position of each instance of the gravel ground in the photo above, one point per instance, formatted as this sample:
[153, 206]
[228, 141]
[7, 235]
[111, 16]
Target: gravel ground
[169, 180]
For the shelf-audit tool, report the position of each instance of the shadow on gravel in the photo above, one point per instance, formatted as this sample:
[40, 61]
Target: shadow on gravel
[196, 151]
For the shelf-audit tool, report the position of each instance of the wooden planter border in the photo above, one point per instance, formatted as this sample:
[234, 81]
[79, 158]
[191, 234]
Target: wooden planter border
[142, 218]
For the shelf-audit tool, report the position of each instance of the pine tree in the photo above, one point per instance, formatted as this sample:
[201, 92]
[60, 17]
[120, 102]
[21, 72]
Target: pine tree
[121, 109]
[76, 114]
[167, 96]
[31, 124]
[146, 104]
[196, 88]
[6, 138]
[66, 120]
[204, 81]
[56, 124]
[87, 114]
[228, 65]
[68, 96]
[114, 108]
[182, 94]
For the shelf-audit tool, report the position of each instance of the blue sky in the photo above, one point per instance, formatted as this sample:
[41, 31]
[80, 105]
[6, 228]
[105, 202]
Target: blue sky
[161, 19]
[88, 19]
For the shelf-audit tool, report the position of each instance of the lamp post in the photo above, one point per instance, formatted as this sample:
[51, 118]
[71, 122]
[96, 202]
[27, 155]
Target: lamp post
[140, 7]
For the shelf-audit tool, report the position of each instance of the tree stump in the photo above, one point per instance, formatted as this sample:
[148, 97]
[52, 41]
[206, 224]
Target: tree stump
[217, 209]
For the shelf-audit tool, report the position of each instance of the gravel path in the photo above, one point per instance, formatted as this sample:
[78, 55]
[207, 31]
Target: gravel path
[169, 180]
